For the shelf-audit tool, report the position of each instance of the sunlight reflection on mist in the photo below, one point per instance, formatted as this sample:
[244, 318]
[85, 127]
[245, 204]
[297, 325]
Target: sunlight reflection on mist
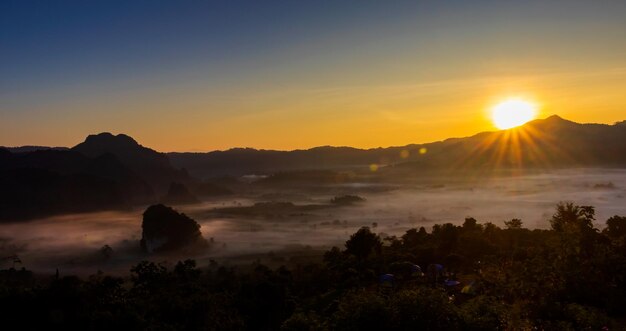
[72, 242]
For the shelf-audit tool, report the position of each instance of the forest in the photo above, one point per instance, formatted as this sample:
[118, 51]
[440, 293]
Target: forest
[477, 276]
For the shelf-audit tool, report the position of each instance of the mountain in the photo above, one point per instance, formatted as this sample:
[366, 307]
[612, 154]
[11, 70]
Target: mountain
[547, 143]
[4, 154]
[543, 143]
[178, 194]
[239, 161]
[25, 149]
[48, 182]
[28, 193]
[114, 171]
[67, 162]
[150, 165]
[103, 172]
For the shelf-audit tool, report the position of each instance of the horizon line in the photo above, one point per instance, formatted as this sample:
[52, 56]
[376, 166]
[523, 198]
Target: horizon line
[201, 151]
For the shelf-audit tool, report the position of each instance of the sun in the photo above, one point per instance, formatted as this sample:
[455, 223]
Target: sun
[513, 112]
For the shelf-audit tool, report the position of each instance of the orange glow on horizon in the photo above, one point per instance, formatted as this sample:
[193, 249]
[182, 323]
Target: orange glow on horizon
[361, 117]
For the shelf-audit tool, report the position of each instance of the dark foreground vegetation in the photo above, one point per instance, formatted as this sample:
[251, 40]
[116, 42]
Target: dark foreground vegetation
[472, 277]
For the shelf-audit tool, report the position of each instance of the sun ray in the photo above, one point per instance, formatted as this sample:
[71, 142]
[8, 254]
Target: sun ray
[515, 150]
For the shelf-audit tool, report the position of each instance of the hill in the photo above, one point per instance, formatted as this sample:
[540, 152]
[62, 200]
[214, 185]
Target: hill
[103, 172]
[543, 143]
[150, 165]
[540, 144]
[25, 149]
[114, 171]
[48, 182]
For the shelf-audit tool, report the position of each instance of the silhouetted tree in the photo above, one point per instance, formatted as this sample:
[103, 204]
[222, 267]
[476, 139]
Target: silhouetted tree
[362, 310]
[571, 279]
[106, 251]
[166, 229]
[302, 322]
[446, 236]
[363, 243]
[616, 227]
[569, 216]
[513, 224]
[471, 224]
[413, 237]
[423, 309]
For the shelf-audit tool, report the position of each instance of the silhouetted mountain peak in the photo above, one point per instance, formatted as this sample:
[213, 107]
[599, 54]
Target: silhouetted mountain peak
[107, 138]
[551, 124]
[122, 146]
[152, 166]
[554, 118]
[548, 142]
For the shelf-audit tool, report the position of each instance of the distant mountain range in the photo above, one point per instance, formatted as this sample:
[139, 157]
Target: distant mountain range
[103, 172]
[550, 142]
[114, 171]
[25, 149]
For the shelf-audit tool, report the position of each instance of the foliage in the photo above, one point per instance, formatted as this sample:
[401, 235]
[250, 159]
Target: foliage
[616, 227]
[362, 310]
[424, 309]
[363, 244]
[515, 223]
[571, 277]
[165, 229]
[569, 217]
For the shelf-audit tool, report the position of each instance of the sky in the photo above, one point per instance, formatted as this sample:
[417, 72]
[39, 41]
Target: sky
[207, 75]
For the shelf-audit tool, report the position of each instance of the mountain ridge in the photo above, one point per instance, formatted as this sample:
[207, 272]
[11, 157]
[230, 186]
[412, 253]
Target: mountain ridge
[161, 169]
[551, 118]
[553, 130]
[109, 171]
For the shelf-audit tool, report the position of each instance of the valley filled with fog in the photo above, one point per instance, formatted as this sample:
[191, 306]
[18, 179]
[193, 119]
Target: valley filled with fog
[74, 243]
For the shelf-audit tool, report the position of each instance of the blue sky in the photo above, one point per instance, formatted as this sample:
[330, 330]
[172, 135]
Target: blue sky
[69, 68]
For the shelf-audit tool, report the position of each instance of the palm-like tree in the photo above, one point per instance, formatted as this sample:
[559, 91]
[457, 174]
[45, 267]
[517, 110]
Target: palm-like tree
[569, 216]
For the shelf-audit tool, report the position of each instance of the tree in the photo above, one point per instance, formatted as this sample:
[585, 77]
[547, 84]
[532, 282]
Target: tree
[302, 322]
[570, 217]
[362, 310]
[471, 224]
[577, 234]
[413, 237]
[446, 236]
[514, 224]
[165, 229]
[616, 227]
[363, 243]
[484, 313]
[423, 309]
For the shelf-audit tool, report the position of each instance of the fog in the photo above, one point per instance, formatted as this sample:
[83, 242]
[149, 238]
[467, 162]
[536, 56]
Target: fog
[72, 243]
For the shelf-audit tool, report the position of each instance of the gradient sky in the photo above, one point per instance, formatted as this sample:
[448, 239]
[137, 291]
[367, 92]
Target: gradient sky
[204, 75]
